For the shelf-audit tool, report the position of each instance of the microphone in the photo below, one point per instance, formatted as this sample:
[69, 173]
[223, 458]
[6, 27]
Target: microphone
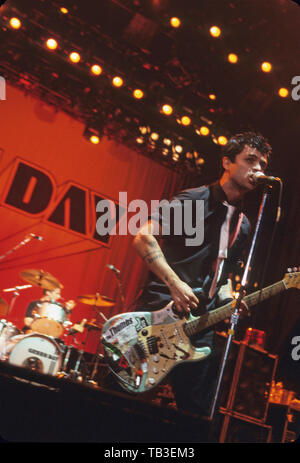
[114, 269]
[36, 237]
[259, 177]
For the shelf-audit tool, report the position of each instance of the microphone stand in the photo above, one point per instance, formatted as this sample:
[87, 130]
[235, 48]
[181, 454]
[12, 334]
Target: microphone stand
[121, 289]
[237, 302]
[26, 240]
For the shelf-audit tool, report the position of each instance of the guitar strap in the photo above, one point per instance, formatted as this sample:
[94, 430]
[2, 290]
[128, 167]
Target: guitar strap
[225, 242]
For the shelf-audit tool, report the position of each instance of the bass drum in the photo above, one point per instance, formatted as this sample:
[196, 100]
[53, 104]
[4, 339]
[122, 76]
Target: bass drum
[35, 352]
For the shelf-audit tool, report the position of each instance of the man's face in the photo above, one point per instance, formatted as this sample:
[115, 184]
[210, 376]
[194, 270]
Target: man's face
[54, 294]
[246, 163]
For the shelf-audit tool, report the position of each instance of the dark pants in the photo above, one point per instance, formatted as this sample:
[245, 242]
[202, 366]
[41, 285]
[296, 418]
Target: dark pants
[194, 383]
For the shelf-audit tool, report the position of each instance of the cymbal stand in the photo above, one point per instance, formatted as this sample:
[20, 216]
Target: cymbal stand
[76, 373]
[96, 361]
[67, 350]
[16, 293]
[97, 310]
[97, 356]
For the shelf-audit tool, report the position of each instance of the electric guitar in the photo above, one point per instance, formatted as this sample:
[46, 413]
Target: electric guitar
[142, 347]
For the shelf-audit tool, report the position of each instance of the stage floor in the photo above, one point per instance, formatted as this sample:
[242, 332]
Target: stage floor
[39, 408]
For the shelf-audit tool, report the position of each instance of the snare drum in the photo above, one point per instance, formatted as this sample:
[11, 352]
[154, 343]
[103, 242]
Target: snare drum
[49, 319]
[35, 352]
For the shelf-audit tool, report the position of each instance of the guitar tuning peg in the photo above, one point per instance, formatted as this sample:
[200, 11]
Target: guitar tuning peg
[289, 270]
[295, 269]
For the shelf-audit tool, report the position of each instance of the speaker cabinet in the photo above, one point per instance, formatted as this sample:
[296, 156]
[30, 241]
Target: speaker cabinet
[241, 429]
[247, 380]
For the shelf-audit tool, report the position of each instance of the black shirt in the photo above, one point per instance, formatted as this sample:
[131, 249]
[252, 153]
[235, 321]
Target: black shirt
[195, 264]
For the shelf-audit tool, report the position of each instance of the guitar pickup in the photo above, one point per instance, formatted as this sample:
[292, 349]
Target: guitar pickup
[139, 350]
[152, 344]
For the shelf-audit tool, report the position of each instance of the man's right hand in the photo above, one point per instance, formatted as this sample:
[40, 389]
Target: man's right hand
[183, 296]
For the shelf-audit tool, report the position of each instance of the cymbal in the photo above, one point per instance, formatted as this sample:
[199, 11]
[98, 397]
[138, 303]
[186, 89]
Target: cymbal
[40, 278]
[3, 307]
[96, 299]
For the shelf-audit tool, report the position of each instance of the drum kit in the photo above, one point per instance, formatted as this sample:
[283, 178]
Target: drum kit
[42, 345]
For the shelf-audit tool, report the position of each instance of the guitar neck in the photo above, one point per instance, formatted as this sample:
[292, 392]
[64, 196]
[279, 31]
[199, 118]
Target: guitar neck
[217, 315]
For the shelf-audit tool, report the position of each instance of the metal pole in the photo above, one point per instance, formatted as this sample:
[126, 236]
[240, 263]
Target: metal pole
[237, 303]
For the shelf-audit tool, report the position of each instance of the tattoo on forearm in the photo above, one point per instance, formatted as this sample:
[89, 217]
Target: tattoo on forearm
[152, 256]
[153, 244]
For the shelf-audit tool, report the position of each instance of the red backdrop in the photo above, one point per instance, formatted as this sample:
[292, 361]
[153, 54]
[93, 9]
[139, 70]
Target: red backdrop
[36, 136]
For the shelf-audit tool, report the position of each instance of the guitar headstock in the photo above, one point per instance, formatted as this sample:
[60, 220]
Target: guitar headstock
[292, 278]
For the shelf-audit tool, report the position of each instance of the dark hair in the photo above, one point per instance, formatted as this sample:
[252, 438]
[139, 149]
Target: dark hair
[236, 144]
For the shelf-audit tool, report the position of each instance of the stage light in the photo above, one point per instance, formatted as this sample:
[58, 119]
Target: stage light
[283, 92]
[74, 57]
[167, 109]
[96, 69]
[175, 22]
[15, 23]
[64, 10]
[154, 136]
[94, 139]
[222, 140]
[140, 140]
[178, 149]
[92, 134]
[215, 31]
[117, 81]
[51, 44]
[144, 129]
[211, 96]
[266, 66]
[165, 151]
[204, 131]
[232, 58]
[138, 93]
[167, 141]
[185, 120]
[175, 157]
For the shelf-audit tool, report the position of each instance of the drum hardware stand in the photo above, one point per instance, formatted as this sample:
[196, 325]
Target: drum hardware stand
[237, 302]
[76, 374]
[98, 311]
[95, 369]
[97, 357]
[68, 354]
[16, 290]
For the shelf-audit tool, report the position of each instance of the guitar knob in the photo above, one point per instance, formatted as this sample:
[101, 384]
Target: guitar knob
[155, 370]
[151, 380]
[155, 358]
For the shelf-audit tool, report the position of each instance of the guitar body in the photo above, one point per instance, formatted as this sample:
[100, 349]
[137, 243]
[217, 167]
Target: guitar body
[142, 347]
